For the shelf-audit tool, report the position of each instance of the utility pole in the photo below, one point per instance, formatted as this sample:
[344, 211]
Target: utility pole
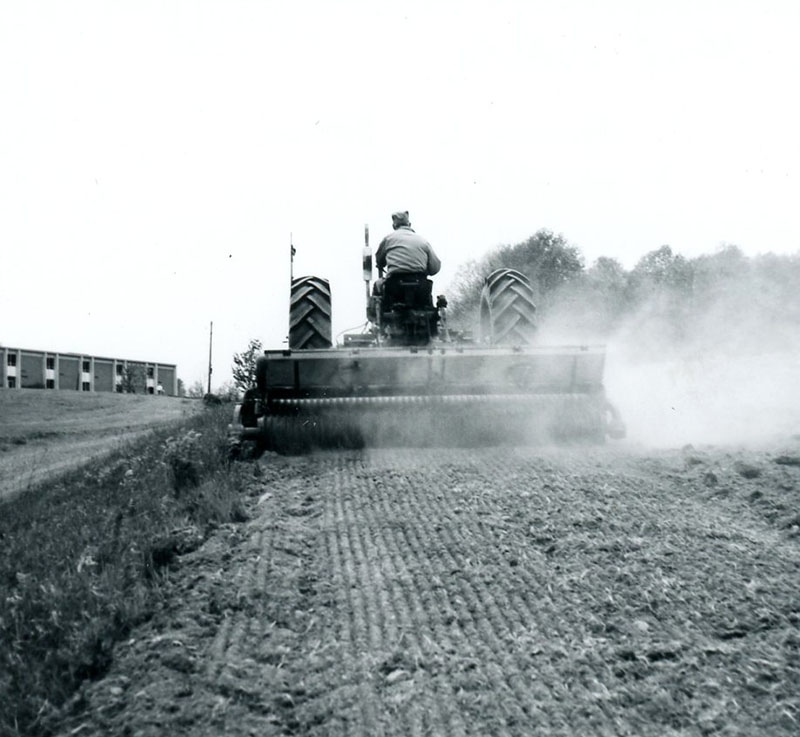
[210, 341]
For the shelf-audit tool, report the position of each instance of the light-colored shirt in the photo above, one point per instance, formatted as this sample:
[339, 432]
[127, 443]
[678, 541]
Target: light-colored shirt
[405, 252]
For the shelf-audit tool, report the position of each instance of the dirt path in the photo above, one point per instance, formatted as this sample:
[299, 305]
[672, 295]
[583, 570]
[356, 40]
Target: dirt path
[489, 592]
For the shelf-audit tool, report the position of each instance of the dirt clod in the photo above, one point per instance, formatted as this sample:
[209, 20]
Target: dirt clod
[787, 460]
[395, 676]
[747, 470]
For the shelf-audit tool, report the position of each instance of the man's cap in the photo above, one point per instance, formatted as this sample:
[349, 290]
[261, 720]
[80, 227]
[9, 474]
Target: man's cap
[400, 217]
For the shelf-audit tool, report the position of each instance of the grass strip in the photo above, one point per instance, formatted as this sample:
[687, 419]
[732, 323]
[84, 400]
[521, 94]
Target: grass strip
[81, 558]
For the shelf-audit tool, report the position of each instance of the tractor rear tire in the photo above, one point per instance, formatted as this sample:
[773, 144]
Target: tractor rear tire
[508, 312]
[310, 313]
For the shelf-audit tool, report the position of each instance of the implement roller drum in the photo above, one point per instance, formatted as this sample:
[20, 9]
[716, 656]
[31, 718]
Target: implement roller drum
[302, 425]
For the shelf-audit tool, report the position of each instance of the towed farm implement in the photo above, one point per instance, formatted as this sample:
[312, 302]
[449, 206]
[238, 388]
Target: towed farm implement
[407, 379]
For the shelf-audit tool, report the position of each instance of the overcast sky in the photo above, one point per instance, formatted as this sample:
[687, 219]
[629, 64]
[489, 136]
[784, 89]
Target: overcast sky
[156, 156]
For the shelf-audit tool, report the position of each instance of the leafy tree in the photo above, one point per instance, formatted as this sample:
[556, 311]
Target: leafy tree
[662, 268]
[607, 273]
[546, 259]
[196, 390]
[134, 379]
[244, 365]
[597, 299]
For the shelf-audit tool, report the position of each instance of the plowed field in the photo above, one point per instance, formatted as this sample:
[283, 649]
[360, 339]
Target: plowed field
[608, 591]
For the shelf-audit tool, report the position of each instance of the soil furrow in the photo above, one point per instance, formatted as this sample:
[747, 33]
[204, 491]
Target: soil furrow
[489, 626]
[342, 625]
[520, 574]
[409, 656]
[433, 641]
[474, 617]
[357, 614]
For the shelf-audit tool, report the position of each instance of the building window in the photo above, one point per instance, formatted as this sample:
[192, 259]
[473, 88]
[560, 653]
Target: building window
[50, 384]
[51, 362]
[12, 382]
[86, 366]
[12, 359]
[85, 386]
[119, 369]
[149, 372]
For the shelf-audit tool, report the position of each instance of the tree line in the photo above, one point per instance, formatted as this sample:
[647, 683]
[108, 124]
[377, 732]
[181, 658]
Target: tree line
[666, 298]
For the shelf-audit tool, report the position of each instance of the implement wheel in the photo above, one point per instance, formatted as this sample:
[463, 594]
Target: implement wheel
[508, 313]
[310, 313]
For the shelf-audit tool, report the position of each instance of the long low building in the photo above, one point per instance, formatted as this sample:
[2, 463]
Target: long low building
[23, 368]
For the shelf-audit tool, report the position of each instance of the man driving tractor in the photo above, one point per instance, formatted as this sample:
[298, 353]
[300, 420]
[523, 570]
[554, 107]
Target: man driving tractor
[405, 252]
[407, 260]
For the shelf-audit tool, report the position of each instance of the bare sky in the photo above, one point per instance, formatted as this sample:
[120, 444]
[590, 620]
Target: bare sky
[155, 156]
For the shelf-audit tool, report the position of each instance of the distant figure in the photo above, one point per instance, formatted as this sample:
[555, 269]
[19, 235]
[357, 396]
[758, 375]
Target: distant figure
[159, 389]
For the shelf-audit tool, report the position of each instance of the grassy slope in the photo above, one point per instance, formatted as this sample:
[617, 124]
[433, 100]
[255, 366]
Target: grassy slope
[79, 554]
[31, 413]
[43, 432]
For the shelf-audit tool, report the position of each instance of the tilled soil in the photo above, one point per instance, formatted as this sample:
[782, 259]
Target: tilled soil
[606, 591]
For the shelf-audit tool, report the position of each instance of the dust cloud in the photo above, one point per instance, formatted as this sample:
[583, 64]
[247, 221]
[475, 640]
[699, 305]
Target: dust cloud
[726, 371]
[705, 399]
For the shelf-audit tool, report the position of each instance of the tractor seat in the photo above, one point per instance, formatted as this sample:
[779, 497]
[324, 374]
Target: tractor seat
[412, 291]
